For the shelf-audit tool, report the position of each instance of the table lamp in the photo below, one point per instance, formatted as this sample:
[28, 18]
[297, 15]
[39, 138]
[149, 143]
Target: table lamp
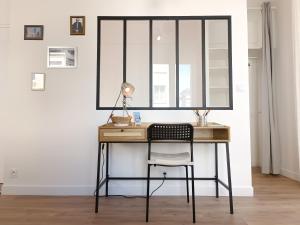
[127, 91]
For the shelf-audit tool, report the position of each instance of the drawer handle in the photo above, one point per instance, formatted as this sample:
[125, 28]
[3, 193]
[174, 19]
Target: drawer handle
[122, 130]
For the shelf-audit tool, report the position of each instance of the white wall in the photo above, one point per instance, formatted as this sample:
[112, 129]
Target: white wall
[254, 67]
[4, 31]
[51, 136]
[296, 54]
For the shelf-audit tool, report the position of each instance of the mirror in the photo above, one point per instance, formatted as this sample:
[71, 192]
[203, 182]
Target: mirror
[217, 72]
[190, 63]
[173, 62]
[111, 61]
[62, 57]
[137, 66]
[164, 64]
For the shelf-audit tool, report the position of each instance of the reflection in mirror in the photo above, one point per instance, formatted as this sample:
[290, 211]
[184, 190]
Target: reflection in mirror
[190, 63]
[217, 69]
[164, 59]
[137, 67]
[111, 61]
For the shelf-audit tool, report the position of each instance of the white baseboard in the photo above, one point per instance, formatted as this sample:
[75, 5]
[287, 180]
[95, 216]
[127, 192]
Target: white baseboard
[117, 189]
[290, 174]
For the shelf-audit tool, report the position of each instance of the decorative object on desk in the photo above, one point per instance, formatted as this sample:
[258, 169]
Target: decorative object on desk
[62, 57]
[38, 82]
[137, 118]
[127, 91]
[201, 117]
[121, 120]
[33, 32]
[77, 25]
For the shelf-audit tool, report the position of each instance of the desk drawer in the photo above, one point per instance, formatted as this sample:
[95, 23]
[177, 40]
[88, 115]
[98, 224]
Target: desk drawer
[133, 135]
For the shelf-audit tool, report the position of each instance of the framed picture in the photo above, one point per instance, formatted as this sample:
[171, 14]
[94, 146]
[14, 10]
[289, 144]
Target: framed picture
[38, 81]
[137, 118]
[62, 57]
[77, 25]
[33, 32]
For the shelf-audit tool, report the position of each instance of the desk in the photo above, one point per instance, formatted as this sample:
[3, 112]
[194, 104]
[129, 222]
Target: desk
[213, 133]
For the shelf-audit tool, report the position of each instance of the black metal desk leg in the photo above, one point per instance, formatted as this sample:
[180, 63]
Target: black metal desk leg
[193, 194]
[98, 178]
[148, 189]
[107, 170]
[229, 178]
[216, 170]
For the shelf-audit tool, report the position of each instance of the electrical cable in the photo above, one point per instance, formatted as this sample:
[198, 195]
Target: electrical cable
[159, 185]
[129, 196]
[124, 196]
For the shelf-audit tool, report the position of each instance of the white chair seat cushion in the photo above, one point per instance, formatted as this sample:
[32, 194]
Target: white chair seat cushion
[170, 159]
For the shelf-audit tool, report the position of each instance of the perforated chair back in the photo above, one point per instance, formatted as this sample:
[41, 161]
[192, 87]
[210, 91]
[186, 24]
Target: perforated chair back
[180, 132]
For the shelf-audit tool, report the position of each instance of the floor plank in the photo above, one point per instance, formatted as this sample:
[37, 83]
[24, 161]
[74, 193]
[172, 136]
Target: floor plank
[276, 202]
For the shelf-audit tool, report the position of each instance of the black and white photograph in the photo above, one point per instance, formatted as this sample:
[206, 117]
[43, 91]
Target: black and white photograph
[62, 57]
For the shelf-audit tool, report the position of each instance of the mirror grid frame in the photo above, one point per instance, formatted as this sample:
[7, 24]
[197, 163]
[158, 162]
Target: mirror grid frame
[176, 19]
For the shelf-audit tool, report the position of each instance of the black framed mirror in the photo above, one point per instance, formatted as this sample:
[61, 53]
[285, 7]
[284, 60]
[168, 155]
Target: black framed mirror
[175, 63]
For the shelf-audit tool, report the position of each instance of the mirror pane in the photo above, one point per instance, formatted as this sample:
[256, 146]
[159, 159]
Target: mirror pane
[138, 61]
[217, 69]
[164, 59]
[190, 63]
[111, 62]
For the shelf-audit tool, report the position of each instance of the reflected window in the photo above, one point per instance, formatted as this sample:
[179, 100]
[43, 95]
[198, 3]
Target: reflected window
[185, 89]
[161, 76]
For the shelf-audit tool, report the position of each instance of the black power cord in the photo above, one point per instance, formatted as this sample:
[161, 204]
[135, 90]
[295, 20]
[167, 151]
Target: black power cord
[128, 196]
[165, 176]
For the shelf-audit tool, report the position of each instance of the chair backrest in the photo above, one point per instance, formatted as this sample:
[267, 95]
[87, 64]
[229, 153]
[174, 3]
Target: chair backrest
[180, 132]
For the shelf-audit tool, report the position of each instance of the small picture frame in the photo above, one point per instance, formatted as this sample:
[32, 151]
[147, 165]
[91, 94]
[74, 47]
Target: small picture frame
[137, 118]
[33, 32]
[62, 57]
[38, 82]
[77, 25]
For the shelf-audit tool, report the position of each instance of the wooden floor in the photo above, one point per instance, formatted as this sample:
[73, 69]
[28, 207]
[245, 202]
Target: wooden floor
[276, 202]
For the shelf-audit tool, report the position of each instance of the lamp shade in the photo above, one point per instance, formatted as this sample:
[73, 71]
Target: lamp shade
[127, 89]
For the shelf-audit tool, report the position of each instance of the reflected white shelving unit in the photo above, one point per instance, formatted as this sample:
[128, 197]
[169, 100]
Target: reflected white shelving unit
[217, 69]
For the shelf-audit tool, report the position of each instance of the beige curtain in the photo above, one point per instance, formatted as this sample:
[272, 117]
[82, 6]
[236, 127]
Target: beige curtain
[270, 151]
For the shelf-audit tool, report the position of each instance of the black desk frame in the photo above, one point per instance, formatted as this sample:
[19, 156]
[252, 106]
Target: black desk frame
[216, 178]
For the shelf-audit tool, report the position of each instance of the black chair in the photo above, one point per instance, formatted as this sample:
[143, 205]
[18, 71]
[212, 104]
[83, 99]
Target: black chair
[171, 133]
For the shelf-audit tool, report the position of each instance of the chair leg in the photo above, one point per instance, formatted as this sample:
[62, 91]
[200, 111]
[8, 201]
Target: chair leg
[148, 188]
[193, 194]
[229, 179]
[187, 184]
[216, 170]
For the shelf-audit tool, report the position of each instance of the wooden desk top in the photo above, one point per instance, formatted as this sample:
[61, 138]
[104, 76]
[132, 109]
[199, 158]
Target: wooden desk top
[212, 133]
[210, 125]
